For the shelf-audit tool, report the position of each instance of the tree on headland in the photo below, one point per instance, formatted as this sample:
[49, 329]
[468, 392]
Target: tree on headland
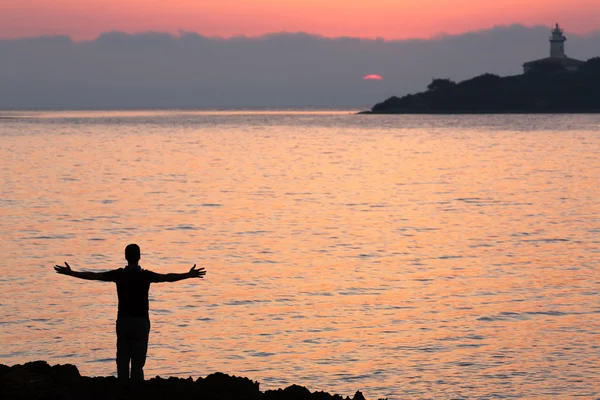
[437, 85]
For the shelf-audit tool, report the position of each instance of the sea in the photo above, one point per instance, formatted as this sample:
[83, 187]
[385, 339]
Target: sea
[405, 256]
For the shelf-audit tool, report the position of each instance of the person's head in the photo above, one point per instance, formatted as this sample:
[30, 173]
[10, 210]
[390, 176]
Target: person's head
[132, 253]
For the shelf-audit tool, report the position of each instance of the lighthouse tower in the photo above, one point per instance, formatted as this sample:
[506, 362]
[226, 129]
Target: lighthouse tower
[558, 60]
[557, 43]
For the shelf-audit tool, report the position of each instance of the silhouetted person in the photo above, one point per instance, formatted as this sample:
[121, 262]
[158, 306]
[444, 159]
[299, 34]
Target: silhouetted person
[133, 321]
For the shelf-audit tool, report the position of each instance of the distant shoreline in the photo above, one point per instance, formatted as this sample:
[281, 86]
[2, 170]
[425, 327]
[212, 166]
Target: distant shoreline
[542, 90]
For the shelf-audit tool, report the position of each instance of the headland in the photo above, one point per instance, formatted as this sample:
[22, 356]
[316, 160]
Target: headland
[545, 89]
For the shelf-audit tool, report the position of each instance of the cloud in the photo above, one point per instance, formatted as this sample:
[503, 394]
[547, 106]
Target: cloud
[278, 70]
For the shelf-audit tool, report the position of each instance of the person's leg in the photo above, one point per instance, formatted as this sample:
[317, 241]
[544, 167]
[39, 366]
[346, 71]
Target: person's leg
[139, 349]
[123, 350]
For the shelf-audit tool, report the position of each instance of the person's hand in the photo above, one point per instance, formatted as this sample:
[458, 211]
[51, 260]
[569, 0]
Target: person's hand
[63, 270]
[196, 273]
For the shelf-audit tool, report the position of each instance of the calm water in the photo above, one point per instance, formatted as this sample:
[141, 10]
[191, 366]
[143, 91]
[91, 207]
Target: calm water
[410, 257]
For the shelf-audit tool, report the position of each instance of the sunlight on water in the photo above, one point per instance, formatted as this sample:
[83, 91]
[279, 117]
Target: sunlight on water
[405, 256]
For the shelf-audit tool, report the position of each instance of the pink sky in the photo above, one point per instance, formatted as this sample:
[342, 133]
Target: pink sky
[391, 19]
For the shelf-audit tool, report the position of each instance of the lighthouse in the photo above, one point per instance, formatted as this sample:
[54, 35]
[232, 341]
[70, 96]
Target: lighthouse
[557, 43]
[558, 60]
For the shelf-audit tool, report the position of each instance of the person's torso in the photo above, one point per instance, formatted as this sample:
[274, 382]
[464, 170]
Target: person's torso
[132, 290]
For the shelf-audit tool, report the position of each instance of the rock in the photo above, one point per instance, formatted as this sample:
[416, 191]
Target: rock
[223, 386]
[27, 381]
[65, 374]
[293, 392]
[296, 392]
[358, 396]
[40, 381]
[325, 396]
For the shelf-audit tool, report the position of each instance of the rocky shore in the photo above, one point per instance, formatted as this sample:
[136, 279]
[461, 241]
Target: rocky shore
[38, 380]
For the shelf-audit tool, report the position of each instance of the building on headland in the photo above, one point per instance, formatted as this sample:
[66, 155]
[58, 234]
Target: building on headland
[558, 60]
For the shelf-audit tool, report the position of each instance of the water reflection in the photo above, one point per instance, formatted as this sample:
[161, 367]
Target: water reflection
[406, 257]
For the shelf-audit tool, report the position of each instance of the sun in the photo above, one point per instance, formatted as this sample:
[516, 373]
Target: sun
[372, 77]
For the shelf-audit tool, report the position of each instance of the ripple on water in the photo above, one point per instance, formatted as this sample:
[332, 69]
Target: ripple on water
[184, 227]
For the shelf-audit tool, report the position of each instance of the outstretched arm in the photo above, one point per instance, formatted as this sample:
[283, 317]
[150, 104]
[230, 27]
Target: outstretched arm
[91, 276]
[193, 273]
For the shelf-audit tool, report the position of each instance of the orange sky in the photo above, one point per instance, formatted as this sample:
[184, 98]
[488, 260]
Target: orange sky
[85, 19]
